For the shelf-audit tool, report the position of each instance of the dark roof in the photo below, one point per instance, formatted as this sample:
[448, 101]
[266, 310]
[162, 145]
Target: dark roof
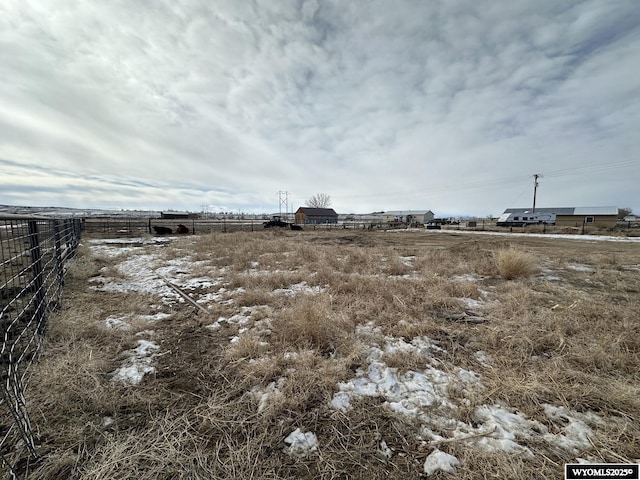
[318, 212]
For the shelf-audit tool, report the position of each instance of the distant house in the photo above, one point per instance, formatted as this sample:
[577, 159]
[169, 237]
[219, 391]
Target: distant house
[408, 216]
[308, 215]
[563, 216]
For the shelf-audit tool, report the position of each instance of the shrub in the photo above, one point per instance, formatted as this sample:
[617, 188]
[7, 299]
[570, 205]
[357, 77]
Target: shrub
[513, 263]
[311, 323]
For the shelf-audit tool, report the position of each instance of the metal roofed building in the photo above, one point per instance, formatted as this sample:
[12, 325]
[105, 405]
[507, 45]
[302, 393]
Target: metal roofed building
[575, 216]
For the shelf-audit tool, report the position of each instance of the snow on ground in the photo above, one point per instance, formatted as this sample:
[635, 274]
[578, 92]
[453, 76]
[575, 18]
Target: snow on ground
[424, 396]
[580, 268]
[438, 460]
[592, 238]
[301, 443]
[429, 396]
[137, 363]
[408, 260]
[298, 288]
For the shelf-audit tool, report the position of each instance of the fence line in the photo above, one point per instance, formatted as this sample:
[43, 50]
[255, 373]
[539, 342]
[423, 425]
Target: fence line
[33, 253]
[137, 226]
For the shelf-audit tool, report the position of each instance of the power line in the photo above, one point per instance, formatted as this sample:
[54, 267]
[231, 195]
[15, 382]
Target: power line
[488, 184]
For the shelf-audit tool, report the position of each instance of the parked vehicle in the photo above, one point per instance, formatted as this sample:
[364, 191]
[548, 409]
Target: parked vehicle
[276, 221]
[526, 218]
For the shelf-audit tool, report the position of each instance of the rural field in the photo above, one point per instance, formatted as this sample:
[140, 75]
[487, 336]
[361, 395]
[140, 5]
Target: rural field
[341, 354]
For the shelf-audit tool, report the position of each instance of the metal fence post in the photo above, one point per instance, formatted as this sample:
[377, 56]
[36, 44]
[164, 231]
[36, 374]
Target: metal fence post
[58, 253]
[36, 269]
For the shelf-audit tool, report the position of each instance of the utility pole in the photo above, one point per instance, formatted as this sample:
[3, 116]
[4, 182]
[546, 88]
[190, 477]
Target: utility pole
[535, 188]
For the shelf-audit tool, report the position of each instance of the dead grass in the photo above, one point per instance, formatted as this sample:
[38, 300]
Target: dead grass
[311, 322]
[513, 263]
[571, 342]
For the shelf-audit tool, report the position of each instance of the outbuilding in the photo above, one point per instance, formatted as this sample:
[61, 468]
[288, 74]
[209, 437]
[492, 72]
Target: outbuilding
[315, 216]
[605, 217]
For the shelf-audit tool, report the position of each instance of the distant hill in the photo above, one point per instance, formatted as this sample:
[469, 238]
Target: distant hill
[75, 212]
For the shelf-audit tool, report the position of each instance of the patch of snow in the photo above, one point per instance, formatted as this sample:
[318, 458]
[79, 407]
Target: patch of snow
[298, 288]
[118, 323]
[155, 317]
[198, 283]
[499, 428]
[408, 261]
[137, 365]
[550, 278]
[384, 452]
[210, 298]
[424, 396]
[631, 267]
[301, 443]
[580, 268]
[472, 303]
[574, 436]
[465, 278]
[482, 358]
[410, 393]
[591, 238]
[439, 460]
[269, 394]
[145, 272]
[241, 319]
[146, 333]
[139, 277]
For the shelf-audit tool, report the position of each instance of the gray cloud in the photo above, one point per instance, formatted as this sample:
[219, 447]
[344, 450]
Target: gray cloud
[378, 104]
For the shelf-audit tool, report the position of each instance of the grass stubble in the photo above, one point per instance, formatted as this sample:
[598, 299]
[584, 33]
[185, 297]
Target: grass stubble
[555, 334]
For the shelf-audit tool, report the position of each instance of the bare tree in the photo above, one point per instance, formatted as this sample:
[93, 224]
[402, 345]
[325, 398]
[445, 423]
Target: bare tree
[623, 212]
[319, 200]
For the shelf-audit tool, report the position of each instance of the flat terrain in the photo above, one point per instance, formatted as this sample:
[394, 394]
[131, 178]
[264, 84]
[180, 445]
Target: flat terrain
[341, 354]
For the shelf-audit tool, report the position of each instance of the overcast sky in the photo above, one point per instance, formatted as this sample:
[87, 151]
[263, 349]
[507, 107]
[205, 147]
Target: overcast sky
[448, 105]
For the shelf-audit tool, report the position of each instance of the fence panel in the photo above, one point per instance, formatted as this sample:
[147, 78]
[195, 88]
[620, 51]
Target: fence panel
[33, 255]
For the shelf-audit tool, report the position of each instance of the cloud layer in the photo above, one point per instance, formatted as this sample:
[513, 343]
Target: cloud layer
[449, 106]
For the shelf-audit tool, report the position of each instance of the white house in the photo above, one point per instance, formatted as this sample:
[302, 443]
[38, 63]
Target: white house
[408, 216]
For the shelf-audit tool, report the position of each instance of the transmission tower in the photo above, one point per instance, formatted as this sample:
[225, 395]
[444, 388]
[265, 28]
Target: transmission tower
[283, 198]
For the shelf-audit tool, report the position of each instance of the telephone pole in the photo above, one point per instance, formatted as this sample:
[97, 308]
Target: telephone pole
[535, 188]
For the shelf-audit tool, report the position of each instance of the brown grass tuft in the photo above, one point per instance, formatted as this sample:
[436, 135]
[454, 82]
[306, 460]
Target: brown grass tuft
[311, 322]
[513, 264]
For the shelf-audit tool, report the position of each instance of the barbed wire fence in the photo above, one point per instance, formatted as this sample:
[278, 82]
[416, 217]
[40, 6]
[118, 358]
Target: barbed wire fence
[33, 253]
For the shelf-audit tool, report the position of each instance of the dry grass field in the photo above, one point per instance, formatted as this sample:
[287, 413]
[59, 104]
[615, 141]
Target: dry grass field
[340, 355]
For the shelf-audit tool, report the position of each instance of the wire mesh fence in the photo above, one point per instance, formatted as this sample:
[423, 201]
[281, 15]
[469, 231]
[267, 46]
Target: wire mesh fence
[133, 227]
[33, 255]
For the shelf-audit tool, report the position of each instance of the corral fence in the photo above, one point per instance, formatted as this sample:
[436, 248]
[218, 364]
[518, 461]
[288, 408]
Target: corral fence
[137, 226]
[34, 253]
[133, 227]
